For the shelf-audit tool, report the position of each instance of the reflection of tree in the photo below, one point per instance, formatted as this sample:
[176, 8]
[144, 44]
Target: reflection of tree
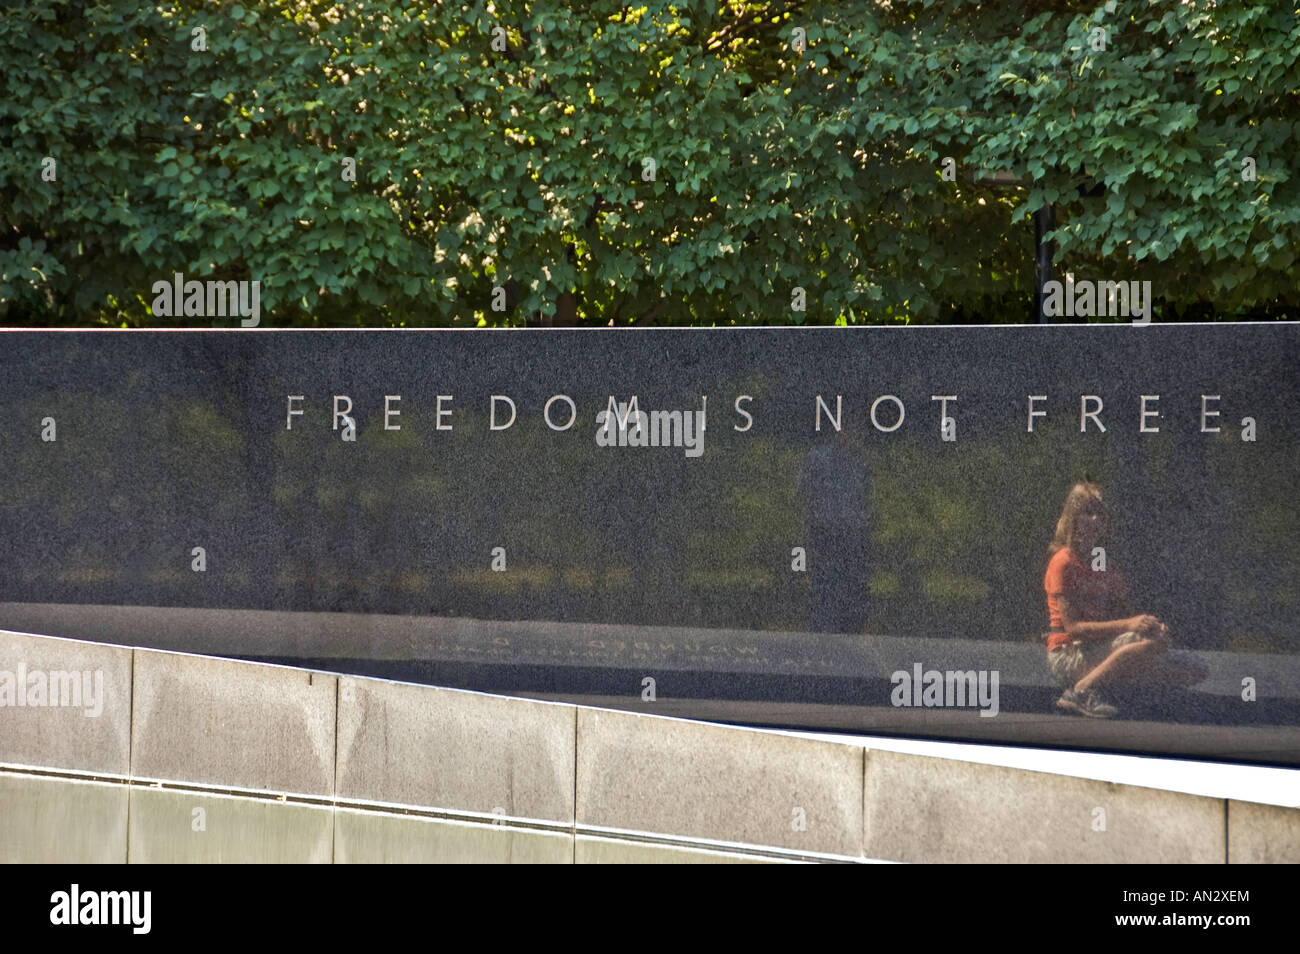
[150, 463]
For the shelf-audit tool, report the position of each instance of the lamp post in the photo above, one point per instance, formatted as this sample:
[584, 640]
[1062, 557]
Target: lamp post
[1044, 222]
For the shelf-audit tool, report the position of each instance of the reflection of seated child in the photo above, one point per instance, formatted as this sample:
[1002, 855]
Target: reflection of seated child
[1095, 638]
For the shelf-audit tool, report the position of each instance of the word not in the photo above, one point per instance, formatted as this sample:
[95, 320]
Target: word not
[103, 907]
[55, 689]
[180, 298]
[653, 429]
[948, 689]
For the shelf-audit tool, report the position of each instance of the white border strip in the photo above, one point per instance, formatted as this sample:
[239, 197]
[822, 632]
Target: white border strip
[1248, 783]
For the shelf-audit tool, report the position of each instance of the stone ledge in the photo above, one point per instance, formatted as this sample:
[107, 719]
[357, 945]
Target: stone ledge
[1262, 834]
[927, 810]
[721, 783]
[455, 750]
[215, 724]
[90, 727]
[222, 722]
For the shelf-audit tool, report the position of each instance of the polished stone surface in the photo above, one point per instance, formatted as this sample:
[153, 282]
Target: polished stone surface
[171, 827]
[162, 489]
[45, 820]
[363, 837]
[711, 685]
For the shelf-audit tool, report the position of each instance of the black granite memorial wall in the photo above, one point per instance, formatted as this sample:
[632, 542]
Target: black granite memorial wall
[808, 527]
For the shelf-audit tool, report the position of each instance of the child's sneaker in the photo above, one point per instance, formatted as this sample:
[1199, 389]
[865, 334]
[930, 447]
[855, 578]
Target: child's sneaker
[1087, 703]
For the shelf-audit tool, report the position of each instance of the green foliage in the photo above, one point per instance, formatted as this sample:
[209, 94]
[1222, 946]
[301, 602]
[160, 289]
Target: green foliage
[776, 168]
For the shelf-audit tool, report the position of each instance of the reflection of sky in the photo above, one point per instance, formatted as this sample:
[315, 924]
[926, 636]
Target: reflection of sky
[1247, 783]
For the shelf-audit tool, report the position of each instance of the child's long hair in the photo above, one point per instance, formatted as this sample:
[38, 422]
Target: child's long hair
[1081, 496]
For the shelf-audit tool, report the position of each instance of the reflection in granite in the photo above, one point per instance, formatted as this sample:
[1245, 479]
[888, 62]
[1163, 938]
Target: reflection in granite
[492, 510]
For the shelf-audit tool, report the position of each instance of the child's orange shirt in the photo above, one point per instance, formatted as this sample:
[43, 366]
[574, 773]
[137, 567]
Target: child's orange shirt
[1090, 593]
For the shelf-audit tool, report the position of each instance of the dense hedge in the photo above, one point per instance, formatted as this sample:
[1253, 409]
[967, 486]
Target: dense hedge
[523, 167]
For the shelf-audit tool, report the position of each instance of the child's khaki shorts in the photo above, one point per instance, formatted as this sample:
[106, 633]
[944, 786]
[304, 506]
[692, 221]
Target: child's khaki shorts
[1073, 661]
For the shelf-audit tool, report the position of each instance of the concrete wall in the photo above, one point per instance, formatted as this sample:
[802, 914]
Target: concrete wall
[191, 758]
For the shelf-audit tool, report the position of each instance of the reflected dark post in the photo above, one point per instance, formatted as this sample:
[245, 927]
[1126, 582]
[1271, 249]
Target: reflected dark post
[833, 485]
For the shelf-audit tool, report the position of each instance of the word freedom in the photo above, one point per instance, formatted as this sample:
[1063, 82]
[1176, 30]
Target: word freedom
[686, 428]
